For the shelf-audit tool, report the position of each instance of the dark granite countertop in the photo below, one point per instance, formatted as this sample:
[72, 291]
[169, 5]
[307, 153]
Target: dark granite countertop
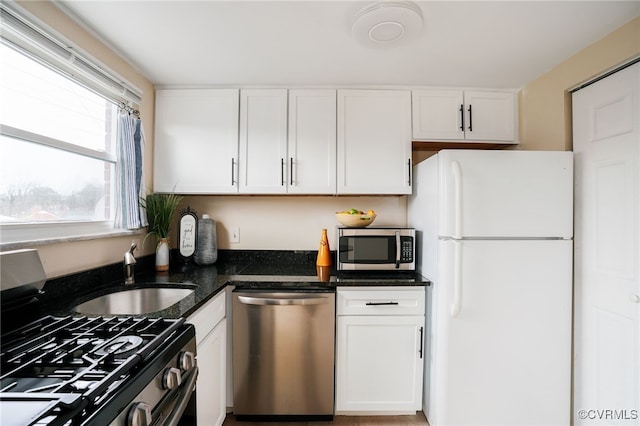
[290, 270]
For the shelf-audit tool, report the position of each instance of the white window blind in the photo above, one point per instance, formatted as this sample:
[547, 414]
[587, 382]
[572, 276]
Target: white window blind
[27, 34]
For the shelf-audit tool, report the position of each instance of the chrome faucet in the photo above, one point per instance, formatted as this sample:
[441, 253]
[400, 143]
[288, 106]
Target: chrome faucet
[129, 265]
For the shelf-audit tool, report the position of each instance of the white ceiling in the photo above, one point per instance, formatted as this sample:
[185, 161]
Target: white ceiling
[309, 43]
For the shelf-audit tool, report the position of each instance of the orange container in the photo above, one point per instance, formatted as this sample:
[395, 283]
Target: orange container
[324, 252]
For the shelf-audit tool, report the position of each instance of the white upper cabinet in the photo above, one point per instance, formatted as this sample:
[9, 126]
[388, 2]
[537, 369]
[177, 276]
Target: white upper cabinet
[374, 142]
[311, 162]
[263, 141]
[196, 141]
[469, 116]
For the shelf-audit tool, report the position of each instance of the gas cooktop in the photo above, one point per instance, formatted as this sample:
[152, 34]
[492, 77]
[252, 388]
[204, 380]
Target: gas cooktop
[57, 369]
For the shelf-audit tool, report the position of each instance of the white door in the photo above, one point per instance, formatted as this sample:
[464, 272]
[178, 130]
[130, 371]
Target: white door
[503, 357]
[211, 397]
[196, 141]
[374, 142]
[437, 114]
[506, 193]
[312, 142]
[606, 138]
[490, 116]
[379, 362]
[263, 141]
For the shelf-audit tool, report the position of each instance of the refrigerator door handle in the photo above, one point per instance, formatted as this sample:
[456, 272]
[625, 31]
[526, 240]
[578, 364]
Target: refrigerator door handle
[398, 249]
[457, 194]
[456, 306]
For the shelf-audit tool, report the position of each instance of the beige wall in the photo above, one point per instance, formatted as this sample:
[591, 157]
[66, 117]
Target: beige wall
[545, 104]
[289, 222]
[61, 259]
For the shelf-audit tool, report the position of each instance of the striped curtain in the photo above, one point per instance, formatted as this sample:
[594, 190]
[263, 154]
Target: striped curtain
[129, 173]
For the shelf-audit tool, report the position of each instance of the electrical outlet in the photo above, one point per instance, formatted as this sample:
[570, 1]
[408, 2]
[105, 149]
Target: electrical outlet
[234, 234]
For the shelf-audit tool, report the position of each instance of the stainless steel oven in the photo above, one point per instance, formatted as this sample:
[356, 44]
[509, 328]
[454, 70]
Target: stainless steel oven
[376, 249]
[90, 370]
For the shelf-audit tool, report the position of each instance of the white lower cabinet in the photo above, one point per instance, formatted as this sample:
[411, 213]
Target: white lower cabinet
[211, 338]
[212, 383]
[379, 350]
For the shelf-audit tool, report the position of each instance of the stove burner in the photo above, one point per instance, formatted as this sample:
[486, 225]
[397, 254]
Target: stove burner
[81, 370]
[120, 345]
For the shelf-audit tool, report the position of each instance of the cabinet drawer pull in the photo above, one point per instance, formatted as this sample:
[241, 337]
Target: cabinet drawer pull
[381, 303]
[282, 171]
[470, 119]
[421, 341]
[461, 117]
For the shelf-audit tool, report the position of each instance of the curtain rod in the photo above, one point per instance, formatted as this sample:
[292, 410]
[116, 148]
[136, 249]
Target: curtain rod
[130, 110]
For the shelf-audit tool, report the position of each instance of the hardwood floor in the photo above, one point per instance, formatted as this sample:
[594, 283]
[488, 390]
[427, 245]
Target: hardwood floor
[415, 420]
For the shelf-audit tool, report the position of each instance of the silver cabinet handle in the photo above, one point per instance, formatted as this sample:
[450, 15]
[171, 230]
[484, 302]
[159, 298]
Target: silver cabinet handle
[233, 174]
[288, 300]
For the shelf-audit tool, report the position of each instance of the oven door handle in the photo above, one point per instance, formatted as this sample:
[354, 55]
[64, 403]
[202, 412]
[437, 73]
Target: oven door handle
[174, 417]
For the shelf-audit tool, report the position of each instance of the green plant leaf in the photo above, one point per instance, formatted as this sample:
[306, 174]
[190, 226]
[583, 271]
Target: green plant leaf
[160, 209]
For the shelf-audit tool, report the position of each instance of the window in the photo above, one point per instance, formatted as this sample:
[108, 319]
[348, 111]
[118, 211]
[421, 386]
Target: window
[56, 147]
[58, 125]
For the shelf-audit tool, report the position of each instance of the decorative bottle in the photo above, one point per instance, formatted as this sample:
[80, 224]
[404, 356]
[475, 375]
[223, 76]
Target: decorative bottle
[207, 244]
[162, 255]
[324, 252]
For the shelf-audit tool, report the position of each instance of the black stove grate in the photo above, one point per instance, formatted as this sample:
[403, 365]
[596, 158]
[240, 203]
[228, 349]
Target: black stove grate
[87, 357]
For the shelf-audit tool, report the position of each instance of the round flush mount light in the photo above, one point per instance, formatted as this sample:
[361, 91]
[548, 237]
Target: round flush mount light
[384, 24]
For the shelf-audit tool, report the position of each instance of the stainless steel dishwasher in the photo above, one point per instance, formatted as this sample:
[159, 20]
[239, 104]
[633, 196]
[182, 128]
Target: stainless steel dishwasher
[283, 353]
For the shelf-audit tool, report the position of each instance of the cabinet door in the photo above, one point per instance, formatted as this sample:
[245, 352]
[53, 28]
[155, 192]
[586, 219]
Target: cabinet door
[312, 142]
[263, 141]
[379, 364]
[437, 114]
[211, 397]
[374, 142]
[196, 141]
[490, 116]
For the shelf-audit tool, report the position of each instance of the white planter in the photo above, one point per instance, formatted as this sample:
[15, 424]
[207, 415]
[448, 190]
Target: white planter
[162, 255]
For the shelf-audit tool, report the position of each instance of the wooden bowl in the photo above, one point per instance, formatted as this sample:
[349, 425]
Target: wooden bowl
[355, 220]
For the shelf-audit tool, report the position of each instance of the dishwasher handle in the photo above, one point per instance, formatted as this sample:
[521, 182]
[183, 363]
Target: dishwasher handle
[287, 300]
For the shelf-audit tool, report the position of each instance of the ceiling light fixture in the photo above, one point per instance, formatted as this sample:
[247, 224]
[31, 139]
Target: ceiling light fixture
[383, 24]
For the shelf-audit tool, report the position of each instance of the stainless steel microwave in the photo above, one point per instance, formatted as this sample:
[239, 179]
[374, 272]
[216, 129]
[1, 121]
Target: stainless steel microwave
[376, 249]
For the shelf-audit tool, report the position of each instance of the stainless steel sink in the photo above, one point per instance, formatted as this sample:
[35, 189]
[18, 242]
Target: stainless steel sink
[134, 301]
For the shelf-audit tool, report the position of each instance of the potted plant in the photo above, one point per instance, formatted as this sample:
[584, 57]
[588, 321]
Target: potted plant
[160, 209]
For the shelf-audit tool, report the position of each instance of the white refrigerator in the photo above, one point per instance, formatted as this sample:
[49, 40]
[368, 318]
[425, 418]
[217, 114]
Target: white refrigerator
[495, 237]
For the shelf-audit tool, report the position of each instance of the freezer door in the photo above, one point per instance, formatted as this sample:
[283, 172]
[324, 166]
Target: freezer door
[505, 194]
[504, 355]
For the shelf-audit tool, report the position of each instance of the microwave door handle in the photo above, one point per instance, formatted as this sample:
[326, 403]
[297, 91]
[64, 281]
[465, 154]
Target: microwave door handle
[397, 249]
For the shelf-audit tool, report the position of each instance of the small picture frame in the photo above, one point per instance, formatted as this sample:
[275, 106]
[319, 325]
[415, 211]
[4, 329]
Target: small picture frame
[187, 233]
